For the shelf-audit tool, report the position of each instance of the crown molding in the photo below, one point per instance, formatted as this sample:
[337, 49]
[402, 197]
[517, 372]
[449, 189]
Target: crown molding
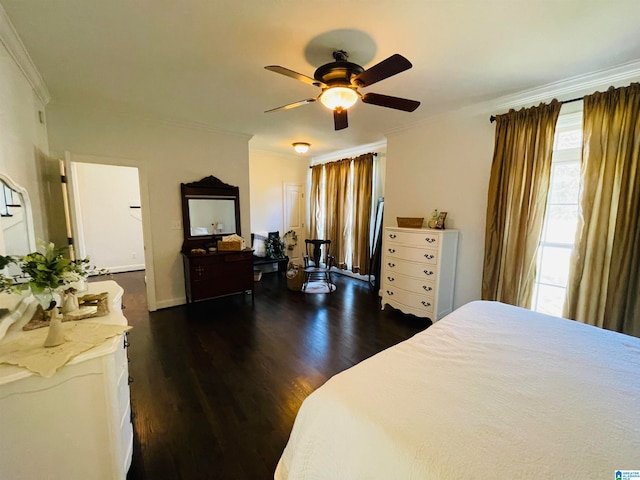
[189, 125]
[433, 114]
[350, 152]
[277, 153]
[580, 85]
[146, 117]
[11, 41]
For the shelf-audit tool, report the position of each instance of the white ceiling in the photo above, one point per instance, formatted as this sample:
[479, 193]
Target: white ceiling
[201, 61]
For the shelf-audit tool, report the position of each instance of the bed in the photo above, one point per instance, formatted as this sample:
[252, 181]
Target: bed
[489, 391]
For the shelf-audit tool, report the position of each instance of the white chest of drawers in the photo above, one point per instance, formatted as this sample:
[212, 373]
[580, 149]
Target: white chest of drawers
[75, 425]
[418, 270]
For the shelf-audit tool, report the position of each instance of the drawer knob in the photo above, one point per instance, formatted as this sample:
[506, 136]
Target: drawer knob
[429, 240]
[391, 264]
[428, 272]
[199, 270]
[392, 250]
[392, 235]
[391, 279]
[427, 288]
[126, 344]
[426, 304]
[428, 256]
[129, 379]
[389, 292]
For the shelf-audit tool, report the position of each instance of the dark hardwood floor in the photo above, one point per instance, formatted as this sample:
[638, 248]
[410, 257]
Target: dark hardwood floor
[216, 386]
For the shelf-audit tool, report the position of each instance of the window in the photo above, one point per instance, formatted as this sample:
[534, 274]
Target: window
[561, 217]
[344, 207]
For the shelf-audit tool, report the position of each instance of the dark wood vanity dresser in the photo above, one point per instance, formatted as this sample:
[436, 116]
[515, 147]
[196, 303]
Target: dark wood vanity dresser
[211, 210]
[217, 274]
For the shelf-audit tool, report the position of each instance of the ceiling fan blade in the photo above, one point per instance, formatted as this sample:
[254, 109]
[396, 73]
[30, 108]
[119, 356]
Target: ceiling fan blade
[340, 119]
[292, 105]
[387, 68]
[390, 102]
[295, 75]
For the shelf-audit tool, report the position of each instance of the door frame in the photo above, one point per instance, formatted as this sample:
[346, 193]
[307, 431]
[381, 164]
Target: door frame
[303, 206]
[76, 223]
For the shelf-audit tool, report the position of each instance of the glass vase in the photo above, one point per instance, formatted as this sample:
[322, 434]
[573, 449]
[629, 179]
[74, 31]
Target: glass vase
[46, 299]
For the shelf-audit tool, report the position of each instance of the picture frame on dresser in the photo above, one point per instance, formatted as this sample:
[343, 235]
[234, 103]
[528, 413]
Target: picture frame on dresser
[440, 221]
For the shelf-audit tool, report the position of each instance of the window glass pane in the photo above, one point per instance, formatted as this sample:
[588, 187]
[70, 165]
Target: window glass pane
[562, 221]
[561, 217]
[569, 139]
[565, 187]
[550, 300]
[554, 265]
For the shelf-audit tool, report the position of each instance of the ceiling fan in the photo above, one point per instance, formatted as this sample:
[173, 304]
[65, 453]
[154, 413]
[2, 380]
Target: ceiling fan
[340, 81]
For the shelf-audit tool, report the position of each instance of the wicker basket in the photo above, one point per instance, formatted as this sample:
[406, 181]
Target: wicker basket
[410, 222]
[295, 277]
[231, 246]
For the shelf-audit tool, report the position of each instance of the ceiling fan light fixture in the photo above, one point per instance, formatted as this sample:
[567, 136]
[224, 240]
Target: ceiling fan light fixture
[339, 97]
[301, 147]
[340, 81]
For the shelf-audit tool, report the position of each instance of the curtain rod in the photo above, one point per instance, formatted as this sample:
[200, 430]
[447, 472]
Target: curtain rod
[311, 166]
[492, 118]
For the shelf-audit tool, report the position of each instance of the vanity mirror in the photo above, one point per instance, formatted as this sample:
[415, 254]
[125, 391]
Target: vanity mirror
[203, 209]
[210, 209]
[16, 222]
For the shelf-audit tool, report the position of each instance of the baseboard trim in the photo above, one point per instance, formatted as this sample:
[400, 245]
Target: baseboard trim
[126, 268]
[171, 302]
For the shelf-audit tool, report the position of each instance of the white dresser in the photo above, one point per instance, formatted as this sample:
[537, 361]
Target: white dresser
[418, 270]
[75, 425]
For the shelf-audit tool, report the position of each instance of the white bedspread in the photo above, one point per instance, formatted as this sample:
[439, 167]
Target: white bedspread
[491, 391]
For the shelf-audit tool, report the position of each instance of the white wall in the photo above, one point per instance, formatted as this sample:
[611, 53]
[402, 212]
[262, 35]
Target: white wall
[165, 155]
[111, 231]
[23, 139]
[268, 172]
[445, 164]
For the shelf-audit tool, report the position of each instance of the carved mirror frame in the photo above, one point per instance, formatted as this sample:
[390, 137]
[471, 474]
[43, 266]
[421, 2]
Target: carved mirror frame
[208, 188]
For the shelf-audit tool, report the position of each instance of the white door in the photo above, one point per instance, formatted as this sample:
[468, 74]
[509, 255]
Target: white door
[294, 219]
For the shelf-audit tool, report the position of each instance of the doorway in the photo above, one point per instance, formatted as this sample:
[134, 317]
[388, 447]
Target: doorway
[107, 217]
